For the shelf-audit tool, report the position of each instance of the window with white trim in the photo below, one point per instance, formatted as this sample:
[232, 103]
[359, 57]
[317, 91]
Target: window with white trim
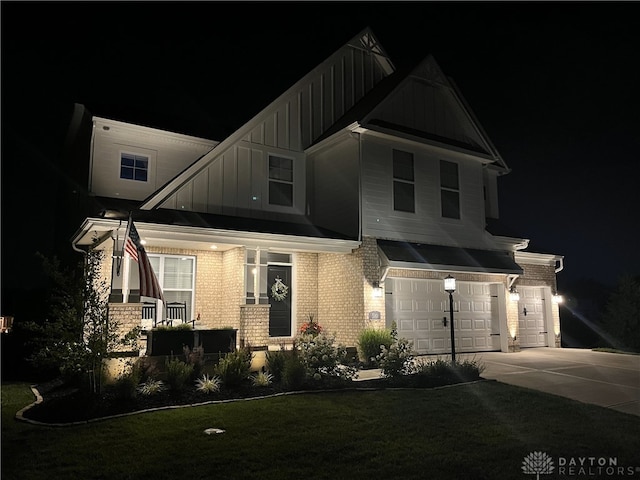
[134, 167]
[403, 182]
[280, 181]
[449, 189]
[177, 276]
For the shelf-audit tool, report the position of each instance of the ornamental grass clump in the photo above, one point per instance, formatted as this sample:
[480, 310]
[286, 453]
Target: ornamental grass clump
[207, 384]
[179, 374]
[276, 360]
[370, 342]
[261, 379]
[234, 367]
[150, 387]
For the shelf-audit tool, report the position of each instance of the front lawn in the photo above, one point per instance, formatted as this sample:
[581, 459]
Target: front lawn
[480, 430]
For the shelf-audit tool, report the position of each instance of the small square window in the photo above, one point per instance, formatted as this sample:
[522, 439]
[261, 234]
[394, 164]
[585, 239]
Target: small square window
[134, 167]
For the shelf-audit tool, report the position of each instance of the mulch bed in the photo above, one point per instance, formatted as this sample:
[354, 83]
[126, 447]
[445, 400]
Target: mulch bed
[65, 404]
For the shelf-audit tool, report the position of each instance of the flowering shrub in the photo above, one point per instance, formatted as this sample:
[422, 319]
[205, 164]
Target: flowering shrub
[321, 358]
[310, 327]
[397, 359]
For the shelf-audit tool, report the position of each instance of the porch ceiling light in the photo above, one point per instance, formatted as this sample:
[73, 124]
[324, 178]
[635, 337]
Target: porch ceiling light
[514, 296]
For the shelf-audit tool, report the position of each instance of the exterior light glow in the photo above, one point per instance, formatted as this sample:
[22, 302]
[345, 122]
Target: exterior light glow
[449, 284]
[377, 290]
[514, 296]
[213, 247]
[450, 287]
[557, 298]
[143, 242]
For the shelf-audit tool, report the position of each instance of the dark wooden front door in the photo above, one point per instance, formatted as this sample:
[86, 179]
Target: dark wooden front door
[280, 311]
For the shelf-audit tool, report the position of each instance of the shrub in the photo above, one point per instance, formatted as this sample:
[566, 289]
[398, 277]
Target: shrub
[261, 379]
[321, 358]
[195, 357]
[370, 343]
[294, 372]
[125, 385]
[206, 384]
[469, 369]
[397, 359]
[440, 368]
[276, 360]
[179, 374]
[150, 387]
[235, 367]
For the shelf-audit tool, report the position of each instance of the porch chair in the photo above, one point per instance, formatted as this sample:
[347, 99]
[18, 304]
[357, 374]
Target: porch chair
[177, 311]
[148, 315]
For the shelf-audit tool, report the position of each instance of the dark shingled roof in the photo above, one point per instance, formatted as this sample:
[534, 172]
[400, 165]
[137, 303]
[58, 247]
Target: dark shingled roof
[438, 256]
[296, 225]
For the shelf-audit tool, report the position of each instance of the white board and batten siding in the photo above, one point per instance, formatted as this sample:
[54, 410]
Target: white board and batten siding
[235, 181]
[419, 308]
[168, 154]
[379, 218]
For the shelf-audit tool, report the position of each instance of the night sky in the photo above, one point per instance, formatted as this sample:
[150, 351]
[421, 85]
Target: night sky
[555, 86]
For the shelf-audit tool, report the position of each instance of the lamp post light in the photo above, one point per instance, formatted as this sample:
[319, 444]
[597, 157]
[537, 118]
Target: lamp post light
[450, 287]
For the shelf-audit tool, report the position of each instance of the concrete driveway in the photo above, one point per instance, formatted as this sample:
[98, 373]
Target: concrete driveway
[607, 379]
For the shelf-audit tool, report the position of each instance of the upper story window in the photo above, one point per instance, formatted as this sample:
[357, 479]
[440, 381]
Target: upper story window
[403, 182]
[134, 167]
[449, 189]
[280, 181]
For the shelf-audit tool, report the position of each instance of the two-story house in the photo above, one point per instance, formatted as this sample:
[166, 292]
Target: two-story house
[350, 197]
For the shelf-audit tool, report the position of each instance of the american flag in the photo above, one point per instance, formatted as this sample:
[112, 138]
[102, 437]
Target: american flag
[149, 286]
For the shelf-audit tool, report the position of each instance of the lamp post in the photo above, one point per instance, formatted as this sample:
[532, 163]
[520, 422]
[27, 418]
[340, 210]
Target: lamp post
[450, 287]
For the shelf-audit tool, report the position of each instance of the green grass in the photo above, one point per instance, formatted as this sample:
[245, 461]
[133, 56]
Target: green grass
[481, 430]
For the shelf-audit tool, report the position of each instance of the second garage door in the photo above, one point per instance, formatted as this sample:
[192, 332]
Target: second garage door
[419, 308]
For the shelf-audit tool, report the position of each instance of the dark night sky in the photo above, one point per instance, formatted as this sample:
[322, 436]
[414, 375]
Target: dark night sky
[555, 85]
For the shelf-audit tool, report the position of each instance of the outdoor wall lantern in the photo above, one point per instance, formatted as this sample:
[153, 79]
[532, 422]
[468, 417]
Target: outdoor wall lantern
[514, 296]
[556, 298]
[450, 287]
[377, 290]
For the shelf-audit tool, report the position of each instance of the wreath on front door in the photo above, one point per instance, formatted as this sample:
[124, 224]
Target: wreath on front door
[279, 290]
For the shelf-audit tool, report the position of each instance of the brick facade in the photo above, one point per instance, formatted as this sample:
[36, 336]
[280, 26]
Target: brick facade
[337, 289]
[341, 295]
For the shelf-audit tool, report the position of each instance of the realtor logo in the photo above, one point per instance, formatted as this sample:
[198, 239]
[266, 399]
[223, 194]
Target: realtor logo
[537, 463]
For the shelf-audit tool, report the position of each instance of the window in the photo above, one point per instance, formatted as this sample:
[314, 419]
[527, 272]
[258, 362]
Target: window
[134, 167]
[280, 181]
[403, 182]
[449, 189]
[176, 275]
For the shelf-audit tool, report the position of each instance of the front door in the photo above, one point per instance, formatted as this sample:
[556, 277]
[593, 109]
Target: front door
[279, 292]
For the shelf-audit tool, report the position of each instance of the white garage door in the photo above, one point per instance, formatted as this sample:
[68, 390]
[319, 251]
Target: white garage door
[531, 317]
[419, 307]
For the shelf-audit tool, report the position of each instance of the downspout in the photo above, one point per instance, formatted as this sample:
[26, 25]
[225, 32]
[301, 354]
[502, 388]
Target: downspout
[359, 185]
[560, 265]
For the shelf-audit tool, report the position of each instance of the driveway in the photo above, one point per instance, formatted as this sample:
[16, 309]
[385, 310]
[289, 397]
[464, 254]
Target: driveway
[607, 379]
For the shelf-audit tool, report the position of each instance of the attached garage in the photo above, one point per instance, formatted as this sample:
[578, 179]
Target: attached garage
[420, 308]
[531, 317]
